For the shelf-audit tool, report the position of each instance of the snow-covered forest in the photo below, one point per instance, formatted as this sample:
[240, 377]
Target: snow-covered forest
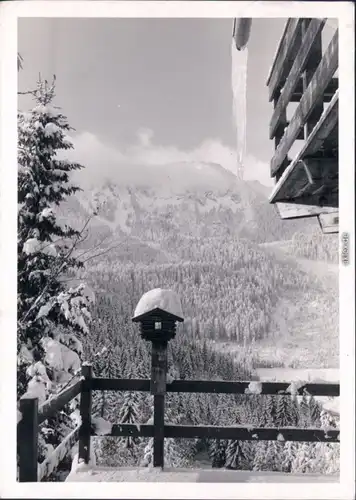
[80, 279]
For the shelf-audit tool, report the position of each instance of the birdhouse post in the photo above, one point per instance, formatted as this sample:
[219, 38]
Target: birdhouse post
[157, 313]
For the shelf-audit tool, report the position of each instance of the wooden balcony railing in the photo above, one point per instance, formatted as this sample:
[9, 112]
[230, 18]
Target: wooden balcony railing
[32, 416]
[301, 73]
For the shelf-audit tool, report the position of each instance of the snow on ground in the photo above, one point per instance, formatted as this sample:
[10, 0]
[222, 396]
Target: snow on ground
[168, 300]
[80, 467]
[147, 474]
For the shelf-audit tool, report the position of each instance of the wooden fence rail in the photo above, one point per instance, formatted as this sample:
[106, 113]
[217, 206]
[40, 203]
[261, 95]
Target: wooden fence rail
[236, 432]
[218, 387]
[32, 416]
[52, 406]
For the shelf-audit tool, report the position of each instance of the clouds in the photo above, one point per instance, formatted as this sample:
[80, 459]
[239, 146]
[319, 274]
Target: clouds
[105, 161]
[145, 136]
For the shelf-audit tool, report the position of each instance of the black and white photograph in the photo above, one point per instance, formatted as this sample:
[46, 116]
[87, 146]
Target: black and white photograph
[178, 246]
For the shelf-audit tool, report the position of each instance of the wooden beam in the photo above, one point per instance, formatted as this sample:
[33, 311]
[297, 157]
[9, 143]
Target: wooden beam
[328, 94]
[329, 223]
[311, 66]
[312, 179]
[296, 211]
[27, 440]
[286, 50]
[313, 145]
[251, 433]
[324, 200]
[218, 386]
[313, 31]
[227, 387]
[85, 414]
[310, 99]
[323, 129]
[130, 430]
[238, 432]
[112, 384]
[158, 389]
[49, 408]
[282, 126]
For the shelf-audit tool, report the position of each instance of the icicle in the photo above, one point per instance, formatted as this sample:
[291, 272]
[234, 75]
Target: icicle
[239, 89]
[239, 60]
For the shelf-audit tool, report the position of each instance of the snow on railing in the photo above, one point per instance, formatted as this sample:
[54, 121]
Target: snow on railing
[46, 468]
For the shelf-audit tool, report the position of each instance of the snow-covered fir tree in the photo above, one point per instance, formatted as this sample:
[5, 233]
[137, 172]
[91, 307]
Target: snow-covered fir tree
[235, 458]
[217, 453]
[51, 317]
[129, 415]
[286, 413]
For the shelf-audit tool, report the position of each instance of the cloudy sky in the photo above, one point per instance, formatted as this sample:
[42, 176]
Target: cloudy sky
[155, 88]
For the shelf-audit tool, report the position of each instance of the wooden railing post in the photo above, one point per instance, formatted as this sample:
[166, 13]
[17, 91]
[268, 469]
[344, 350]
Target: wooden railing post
[158, 389]
[85, 414]
[159, 327]
[27, 439]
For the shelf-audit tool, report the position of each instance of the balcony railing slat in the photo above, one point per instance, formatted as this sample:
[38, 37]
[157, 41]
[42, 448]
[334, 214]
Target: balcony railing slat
[284, 57]
[314, 29]
[111, 384]
[328, 93]
[250, 433]
[238, 432]
[214, 386]
[313, 144]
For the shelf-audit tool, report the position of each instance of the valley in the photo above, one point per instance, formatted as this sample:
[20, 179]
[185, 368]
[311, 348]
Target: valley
[214, 238]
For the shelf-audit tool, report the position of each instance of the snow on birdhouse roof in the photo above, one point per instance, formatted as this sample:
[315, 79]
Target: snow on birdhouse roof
[158, 298]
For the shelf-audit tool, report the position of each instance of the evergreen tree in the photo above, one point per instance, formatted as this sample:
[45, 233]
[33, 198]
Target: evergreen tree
[217, 452]
[315, 412]
[285, 412]
[267, 413]
[259, 462]
[289, 453]
[235, 456]
[50, 316]
[304, 412]
[172, 453]
[303, 458]
[129, 415]
[147, 459]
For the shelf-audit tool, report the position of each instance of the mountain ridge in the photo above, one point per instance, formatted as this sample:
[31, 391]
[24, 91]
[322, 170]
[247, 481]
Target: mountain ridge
[190, 197]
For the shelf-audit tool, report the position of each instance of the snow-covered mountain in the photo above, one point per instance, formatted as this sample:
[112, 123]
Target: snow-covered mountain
[201, 199]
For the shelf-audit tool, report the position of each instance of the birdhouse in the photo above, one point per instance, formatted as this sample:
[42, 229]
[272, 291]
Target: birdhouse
[157, 312]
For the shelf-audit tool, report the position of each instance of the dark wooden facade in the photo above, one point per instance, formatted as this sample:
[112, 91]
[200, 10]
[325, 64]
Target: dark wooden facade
[303, 73]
